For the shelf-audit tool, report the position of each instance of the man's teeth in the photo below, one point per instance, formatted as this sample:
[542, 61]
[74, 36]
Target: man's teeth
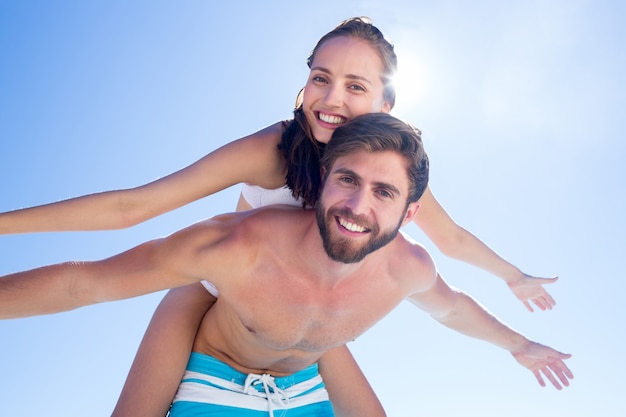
[351, 226]
[336, 120]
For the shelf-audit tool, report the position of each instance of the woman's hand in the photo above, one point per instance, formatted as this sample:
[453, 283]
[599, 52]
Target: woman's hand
[530, 289]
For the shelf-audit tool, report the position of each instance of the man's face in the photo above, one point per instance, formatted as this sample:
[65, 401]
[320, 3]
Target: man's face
[363, 204]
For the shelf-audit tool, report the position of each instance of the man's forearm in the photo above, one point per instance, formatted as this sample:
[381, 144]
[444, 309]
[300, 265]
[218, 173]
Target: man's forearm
[46, 290]
[70, 285]
[472, 319]
[462, 313]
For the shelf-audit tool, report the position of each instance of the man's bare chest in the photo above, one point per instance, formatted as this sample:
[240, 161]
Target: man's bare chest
[292, 312]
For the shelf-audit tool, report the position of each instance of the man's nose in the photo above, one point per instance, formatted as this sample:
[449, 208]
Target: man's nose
[359, 202]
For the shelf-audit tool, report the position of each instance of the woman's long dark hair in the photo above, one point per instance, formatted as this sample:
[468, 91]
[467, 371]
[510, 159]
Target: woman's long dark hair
[302, 158]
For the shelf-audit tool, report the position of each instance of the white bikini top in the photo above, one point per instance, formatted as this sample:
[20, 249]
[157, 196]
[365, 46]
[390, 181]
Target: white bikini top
[259, 197]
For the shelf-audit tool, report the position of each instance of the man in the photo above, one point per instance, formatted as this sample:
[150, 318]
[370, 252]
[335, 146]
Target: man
[292, 283]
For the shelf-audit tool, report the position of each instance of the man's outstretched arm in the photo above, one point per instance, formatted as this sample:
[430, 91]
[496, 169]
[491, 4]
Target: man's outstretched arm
[69, 285]
[462, 313]
[190, 255]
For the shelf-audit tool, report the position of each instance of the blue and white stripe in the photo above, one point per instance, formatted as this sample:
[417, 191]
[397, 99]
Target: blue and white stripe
[211, 387]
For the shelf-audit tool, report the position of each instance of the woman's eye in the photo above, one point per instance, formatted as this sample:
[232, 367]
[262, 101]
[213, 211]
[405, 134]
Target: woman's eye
[319, 79]
[356, 87]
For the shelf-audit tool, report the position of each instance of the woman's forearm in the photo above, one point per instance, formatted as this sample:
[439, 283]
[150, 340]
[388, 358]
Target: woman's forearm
[101, 211]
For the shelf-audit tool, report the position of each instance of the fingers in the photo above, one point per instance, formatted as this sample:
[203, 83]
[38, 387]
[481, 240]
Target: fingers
[561, 367]
[542, 304]
[544, 301]
[561, 371]
[539, 378]
[555, 370]
[548, 374]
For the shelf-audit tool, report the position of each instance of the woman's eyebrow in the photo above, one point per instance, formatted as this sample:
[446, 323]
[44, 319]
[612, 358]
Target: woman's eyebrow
[350, 76]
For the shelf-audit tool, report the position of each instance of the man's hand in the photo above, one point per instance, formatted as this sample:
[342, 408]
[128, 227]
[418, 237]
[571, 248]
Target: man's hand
[544, 360]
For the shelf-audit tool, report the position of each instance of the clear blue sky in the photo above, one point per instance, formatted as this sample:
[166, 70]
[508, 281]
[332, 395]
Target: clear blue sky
[522, 108]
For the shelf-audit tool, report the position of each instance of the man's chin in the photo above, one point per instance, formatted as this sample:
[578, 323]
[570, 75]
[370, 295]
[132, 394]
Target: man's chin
[345, 256]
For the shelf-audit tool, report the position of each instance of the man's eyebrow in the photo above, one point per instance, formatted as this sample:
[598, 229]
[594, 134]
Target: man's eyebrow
[378, 184]
[348, 172]
[350, 76]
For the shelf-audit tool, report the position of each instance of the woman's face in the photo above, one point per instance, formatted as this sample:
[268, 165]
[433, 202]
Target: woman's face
[345, 81]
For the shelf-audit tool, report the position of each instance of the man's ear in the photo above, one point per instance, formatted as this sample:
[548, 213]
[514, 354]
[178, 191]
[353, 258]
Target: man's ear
[411, 211]
[322, 175]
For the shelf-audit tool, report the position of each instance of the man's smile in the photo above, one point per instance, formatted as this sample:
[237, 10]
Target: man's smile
[352, 227]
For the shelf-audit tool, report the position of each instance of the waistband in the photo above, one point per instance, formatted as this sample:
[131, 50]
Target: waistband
[205, 364]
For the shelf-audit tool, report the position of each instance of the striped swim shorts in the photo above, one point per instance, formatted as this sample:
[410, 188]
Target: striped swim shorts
[212, 388]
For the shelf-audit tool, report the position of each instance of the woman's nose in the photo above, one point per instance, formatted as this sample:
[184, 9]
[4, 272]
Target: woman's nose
[334, 96]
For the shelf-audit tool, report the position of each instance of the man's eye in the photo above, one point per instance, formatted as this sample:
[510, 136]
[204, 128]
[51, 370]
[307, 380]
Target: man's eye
[385, 193]
[347, 180]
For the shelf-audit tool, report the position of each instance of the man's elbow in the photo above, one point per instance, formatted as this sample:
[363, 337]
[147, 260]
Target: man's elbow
[46, 290]
[80, 289]
[448, 312]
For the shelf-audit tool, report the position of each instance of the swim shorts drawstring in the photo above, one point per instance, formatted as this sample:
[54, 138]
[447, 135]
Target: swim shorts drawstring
[272, 391]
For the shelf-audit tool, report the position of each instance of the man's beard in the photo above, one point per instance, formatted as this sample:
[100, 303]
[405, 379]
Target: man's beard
[343, 249]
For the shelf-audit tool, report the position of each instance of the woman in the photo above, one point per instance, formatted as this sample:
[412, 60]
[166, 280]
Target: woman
[351, 70]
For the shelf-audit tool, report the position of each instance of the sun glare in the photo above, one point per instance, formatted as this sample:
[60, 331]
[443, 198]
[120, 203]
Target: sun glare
[411, 80]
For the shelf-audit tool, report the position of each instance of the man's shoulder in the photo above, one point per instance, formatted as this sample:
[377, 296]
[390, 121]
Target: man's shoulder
[410, 259]
[253, 233]
[265, 222]
[413, 248]
[243, 232]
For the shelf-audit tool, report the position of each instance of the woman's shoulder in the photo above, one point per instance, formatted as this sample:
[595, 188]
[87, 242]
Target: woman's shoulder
[270, 135]
[256, 157]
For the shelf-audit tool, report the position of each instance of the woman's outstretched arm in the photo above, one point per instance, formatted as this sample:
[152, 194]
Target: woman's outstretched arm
[163, 353]
[456, 242]
[254, 159]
